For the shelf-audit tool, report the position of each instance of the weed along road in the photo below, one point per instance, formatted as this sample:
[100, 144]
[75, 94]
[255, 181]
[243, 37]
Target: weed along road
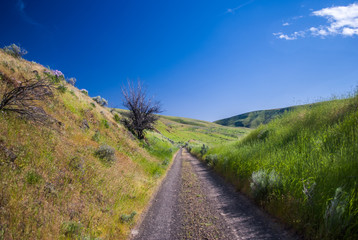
[194, 203]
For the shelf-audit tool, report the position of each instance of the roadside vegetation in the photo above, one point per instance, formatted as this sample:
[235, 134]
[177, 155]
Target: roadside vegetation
[301, 167]
[79, 174]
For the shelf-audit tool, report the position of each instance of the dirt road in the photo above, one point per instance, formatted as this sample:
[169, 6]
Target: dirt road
[194, 203]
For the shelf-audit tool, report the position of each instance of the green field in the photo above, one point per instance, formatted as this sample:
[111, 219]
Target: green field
[180, 130]
[302, 167]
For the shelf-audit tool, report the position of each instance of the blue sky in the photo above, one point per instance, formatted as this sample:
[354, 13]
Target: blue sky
[202, 59]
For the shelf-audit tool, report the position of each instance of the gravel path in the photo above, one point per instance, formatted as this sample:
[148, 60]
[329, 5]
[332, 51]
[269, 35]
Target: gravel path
[195, 203]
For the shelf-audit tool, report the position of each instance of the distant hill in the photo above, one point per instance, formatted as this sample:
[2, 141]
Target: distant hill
[255, 118]
[181, 130]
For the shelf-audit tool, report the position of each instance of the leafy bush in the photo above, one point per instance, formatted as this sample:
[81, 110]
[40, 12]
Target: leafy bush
[204, 150]
[128, 218]
[93, 105]
[15, 50]
[32, 177]
[62, 89]
[335, 218]
[105, 123]
[71, 229]
[116, 118]
[72, 81]
[56, 76]
[76, 163]
[84, 91]
[263, 183]
[101, 101]
[165, 162]
[106, 153]
[211, 160]
[96, 136]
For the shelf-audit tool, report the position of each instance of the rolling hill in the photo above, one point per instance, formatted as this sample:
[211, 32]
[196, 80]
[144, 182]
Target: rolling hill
[255, 118]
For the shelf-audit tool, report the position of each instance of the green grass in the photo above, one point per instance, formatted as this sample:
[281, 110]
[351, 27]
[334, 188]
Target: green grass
[197, 132]
[255, 118]
[301, 167]
[58, 187]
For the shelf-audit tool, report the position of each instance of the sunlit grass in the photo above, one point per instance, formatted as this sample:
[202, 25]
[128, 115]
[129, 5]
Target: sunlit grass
[58, 188]
[314, 152]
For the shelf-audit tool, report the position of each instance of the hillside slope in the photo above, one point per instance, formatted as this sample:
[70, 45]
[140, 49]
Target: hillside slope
[80, 175]
[301, 167]
[255, 118]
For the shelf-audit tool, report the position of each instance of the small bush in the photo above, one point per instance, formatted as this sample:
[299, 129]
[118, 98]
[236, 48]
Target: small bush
[105, 153]
[165, 162]
[76, 163]
[33, 177]
[72, 81]
[211, 160]
[263, 183]
[84, 91]
[56, 76]
[93, 105]
[95, 137]
[62, 89]
[15, 50]
[116, 118]
[71, 229]
[105, 123]
[101, 101]
[334, 218]
[204, 150]
[128, 218]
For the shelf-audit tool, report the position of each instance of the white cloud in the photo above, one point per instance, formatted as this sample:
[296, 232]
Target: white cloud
[285, 24]
[350, 31]
[293, 36]
[342, 20]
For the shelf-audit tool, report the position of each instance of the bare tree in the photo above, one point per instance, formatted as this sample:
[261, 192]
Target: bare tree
[22, 98]
[141, 115]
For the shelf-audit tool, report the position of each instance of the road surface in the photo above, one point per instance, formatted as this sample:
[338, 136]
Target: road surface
[195, 203]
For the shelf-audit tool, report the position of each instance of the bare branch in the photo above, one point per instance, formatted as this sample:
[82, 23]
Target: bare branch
[22, 99]
[141, 115]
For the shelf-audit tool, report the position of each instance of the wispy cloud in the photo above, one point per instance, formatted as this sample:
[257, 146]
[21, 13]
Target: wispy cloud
[233, 10]
[21, 8]
[286, 24]
[341, 20]
[292, 36]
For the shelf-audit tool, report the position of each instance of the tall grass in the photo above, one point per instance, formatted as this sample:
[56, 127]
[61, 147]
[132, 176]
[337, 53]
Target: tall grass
[302, 167]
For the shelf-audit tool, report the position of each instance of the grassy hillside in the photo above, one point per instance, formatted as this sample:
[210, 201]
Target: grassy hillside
[180, 130]
[197, 131]
[302, 168]
[55, 180]
[254, 119]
